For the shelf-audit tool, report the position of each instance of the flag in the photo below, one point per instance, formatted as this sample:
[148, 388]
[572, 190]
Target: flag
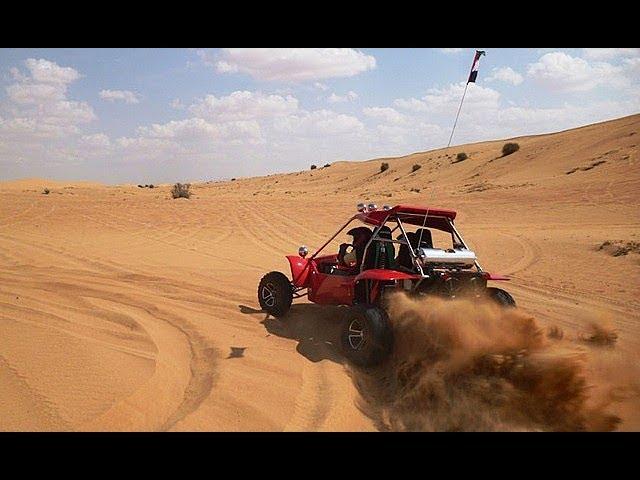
[474, 67]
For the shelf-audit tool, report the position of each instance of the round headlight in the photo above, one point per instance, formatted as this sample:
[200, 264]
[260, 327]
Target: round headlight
[361, 207]
[386, 207]
[372, 207]
[303, 251]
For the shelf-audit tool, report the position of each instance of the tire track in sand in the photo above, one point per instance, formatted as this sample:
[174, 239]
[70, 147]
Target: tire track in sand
[314, 402]
[202, 353]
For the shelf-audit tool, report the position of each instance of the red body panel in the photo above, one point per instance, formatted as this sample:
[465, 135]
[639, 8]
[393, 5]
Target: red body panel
[331, 289]
[386, 275]
[299, 270]
[495, 276]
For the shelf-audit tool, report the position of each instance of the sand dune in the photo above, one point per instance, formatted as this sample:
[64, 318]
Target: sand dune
[124, 309]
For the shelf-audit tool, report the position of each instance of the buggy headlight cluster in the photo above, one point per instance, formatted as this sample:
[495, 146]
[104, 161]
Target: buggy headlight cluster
[372, 207]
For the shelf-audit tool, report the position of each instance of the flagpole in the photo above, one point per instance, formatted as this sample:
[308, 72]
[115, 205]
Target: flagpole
[457, 114]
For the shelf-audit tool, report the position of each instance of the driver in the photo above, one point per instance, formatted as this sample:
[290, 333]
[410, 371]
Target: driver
[353, 258]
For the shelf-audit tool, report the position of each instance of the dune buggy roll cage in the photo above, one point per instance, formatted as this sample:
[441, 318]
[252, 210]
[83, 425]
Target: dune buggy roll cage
[395, 216]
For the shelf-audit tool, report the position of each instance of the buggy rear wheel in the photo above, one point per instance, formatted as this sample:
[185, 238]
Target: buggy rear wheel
[366, 337]
[275, 294]
[501, 297]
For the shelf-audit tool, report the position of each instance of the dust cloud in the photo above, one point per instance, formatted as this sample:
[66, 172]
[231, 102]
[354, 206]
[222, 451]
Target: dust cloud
[467, 366]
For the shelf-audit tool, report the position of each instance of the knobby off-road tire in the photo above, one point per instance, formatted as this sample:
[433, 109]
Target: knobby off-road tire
[275, 294]
[501, 297]
[366, 338]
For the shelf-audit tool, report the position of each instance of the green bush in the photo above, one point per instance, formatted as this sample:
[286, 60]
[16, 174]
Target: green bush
[384, 167]
[46, 191]
[461, 157]
[181, 190]
[313, 167]
[416, 167]
[510, 148]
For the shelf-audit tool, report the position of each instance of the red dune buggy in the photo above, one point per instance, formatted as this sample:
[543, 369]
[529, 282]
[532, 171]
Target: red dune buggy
[362, 272]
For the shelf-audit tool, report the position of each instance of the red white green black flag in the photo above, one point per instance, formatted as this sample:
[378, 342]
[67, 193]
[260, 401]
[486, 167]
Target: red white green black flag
[474, 68]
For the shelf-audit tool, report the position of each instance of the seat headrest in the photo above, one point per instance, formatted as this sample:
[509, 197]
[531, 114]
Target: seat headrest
[410, 235]
[385, 232]
[425, 235]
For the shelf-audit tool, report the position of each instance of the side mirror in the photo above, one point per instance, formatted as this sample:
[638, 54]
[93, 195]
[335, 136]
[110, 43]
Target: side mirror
[303, 251]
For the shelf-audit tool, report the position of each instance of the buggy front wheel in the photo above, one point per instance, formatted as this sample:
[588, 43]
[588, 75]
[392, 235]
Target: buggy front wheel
[275, 294]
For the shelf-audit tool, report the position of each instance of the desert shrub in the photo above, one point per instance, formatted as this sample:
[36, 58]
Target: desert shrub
[510, 148]
[313, 167]
[181, 190]
[416, 167]
[140, 186]
[327, 165]
[151, 185]
[233, 179]
[461, 157]
[384, 167]
[46, 191]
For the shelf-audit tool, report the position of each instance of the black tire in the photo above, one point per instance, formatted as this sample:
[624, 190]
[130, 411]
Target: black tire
[275, 294]
[366, 338]
[501, 297]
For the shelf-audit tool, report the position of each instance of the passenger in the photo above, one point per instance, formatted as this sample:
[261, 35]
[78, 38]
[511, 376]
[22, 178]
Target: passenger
[353, 259]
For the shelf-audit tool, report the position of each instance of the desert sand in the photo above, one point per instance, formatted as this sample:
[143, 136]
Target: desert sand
[124, 309]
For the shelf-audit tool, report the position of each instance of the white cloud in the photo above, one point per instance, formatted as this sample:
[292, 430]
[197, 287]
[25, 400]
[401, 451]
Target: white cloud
[26, 92]
[292, 64]
[67, 112]
[44, 71]
[447, 99]
[505, 74]
[350, 96]
[610, 53]
[119, 95]
[37, 103]
[450, 50]
[385, 114]
[198, 129]
[318, 123]
[96, 140]
[245, 105]
[321, 86]
[562, 72]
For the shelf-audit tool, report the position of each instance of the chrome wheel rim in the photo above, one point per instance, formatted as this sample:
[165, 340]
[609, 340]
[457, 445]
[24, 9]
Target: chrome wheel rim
[268, 295]
[355, 334]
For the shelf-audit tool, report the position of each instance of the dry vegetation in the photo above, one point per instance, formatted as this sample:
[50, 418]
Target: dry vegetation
[510, 148]
[181, 190]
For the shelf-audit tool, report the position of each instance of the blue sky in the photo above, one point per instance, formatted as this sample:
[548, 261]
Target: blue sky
[163, 115]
